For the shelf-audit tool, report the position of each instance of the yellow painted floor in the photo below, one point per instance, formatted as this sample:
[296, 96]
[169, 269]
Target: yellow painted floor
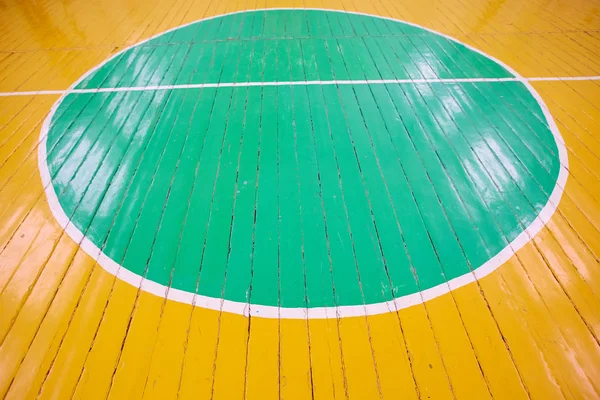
[69, 329]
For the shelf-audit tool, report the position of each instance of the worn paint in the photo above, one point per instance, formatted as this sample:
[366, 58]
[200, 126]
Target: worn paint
[70, 329]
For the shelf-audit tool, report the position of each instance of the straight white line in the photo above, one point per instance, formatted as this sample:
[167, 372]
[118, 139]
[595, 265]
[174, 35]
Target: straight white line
[35, 93]
[564, 78]
[298, 83]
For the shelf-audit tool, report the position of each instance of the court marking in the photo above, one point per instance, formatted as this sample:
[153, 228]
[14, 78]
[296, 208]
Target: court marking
[299, 83]
[247, 309]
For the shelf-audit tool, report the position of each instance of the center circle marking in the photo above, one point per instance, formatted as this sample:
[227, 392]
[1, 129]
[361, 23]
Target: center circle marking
[293, 162]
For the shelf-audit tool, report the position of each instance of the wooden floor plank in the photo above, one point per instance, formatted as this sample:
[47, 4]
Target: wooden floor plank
[312, 240]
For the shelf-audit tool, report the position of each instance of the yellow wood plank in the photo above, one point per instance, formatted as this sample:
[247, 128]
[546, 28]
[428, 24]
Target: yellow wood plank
[564, 355]
[393, 361]
[198, 362]
[67, 366]
[41, 352]
[19, 325]
[262, 368]
[430, 372]
[12, 107]
[230, 364]
[458, 353]
[131, 373]
[22, 241]
[534, 373]
[167, 358]
[359, 363]
[502, 375]
[295, 373]
[48, 245]
[328, 372]
[101, 362]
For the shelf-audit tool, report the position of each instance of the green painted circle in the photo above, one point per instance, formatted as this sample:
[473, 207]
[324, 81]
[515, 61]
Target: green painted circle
[301, 195]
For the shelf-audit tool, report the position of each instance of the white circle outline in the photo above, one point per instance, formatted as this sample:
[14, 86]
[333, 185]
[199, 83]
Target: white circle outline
[247, 309]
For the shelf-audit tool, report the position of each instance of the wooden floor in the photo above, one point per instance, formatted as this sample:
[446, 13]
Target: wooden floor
[70, 327]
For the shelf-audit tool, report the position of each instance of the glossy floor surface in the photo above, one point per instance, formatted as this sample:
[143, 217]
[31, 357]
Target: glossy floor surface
[362, 200]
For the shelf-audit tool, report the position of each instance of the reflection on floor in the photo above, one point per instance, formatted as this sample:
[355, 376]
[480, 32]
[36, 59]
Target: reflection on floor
[385, 199]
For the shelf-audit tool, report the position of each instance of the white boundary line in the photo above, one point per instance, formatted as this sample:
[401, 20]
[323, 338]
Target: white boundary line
[298, 83]
[317, 312]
